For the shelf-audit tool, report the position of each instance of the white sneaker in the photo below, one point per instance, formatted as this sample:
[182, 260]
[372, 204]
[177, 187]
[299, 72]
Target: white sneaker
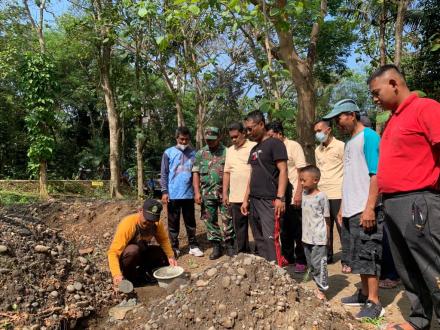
[196, 252]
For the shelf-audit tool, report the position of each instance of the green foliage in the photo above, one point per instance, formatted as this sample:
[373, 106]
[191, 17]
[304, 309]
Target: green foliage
[39, 90]
[13, 198]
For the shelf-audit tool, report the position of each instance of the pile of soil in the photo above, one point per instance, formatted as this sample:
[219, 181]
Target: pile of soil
[46, 281]
[245, 292]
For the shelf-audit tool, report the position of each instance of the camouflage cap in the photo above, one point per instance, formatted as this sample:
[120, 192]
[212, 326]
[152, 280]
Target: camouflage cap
[211, 133]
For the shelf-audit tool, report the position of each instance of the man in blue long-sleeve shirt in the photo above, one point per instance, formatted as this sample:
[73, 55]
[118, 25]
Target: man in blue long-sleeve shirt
[177, 190]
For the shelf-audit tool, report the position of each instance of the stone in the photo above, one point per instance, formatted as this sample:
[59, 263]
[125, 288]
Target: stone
[70, 288]
[226, 281]
[82, 260]
[3, 248]
[211, 272]
[54, 294]
[77, 297]
[119, 312]
[247, 261]
[41, 249]
[241, 271]
[85, 251]
[233, 315]
[221, 307]
[53, 253]
[228, 322]
[106, 235]
[78, 286]
[125, 286]
[201, 283]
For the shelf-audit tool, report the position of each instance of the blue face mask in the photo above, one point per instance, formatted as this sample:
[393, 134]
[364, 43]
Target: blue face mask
[321, 137]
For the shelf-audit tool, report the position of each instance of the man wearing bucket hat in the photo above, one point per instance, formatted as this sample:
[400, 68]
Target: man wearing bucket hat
[131, 256]
[362, 228]
[208, 191]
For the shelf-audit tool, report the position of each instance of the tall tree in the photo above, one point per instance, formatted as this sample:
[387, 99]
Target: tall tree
[104, 15]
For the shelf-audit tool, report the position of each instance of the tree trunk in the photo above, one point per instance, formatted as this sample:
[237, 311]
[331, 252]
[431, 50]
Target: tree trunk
[400, 21]
[113, 121]
[140, 160]
[43, 180]
[302, 77]
[200, 126]
[382, 31]
[180, 119]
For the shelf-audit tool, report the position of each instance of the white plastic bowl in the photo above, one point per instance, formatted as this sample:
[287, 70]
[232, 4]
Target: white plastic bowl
[166, 275]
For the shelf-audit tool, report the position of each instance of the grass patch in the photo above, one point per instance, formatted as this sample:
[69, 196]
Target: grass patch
[376, 322]
[13, 198]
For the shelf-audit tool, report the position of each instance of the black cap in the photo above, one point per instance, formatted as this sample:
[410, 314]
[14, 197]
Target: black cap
[152, 209]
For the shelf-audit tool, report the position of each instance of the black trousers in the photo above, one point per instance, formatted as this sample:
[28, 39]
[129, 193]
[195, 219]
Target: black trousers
[174, 208]
[262, 221]
[413, 223]
[138, 259]
[241, 227]
[335, 205]
[291, 232]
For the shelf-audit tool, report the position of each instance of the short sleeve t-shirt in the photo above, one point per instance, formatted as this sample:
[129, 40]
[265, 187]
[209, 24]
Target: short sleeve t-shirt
[269, 152]
[361, 158]
[237, 165]
[315, 208]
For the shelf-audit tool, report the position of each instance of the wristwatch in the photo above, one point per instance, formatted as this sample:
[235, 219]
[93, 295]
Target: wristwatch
[281, 198]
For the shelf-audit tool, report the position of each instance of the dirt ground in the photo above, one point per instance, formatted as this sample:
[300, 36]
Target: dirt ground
[92, 224]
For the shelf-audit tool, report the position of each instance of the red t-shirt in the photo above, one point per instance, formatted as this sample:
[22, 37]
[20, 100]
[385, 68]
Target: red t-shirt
[410, 147]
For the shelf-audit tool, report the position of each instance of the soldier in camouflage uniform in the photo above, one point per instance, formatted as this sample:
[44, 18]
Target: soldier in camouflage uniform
[207, 181]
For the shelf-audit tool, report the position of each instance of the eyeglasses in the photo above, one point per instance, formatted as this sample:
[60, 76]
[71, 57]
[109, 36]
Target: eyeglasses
[250, 129]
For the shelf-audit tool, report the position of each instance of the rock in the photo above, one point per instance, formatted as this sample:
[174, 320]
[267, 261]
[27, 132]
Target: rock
[53, 253]
[221, 307]
[233, 315]
[106, 235]
[241, 271]
[70, 288]
[54, 294]
[77, 297]
[78, 286]
[3, 248]
[119, 312]
[201, 283]
[226, 281]
[41, 249]
[85, 251]
[211, 272]
[228, 322]
[82, 260]
[247, 261]
[125, 286]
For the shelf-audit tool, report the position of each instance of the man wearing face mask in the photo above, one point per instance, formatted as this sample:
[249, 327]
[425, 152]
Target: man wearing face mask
[177, 190]
[329, 155]
[208, 185]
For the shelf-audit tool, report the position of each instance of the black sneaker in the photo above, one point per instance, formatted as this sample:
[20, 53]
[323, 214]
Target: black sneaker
[358, 299]
[371, 311]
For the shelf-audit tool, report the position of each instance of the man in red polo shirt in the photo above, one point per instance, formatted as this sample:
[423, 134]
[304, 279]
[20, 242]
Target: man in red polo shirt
[408, 178]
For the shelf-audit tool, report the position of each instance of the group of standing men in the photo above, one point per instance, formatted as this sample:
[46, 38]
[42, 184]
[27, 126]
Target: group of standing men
[367, 181]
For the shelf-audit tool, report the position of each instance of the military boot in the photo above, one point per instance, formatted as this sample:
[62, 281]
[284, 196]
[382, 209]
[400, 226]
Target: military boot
[230, 248]
[216, 251]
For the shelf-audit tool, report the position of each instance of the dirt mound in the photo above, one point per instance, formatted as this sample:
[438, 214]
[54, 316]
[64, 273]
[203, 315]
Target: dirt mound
[245, 292]
[46, 280]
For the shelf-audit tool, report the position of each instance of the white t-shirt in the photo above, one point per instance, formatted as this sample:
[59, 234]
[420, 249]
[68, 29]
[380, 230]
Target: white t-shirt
[361, 156]
[315, 209]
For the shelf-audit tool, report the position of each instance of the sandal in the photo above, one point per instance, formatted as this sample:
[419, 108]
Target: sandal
[346, 269]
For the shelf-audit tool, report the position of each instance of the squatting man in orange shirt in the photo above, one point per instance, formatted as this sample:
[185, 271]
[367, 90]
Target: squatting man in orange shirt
[131, 256]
